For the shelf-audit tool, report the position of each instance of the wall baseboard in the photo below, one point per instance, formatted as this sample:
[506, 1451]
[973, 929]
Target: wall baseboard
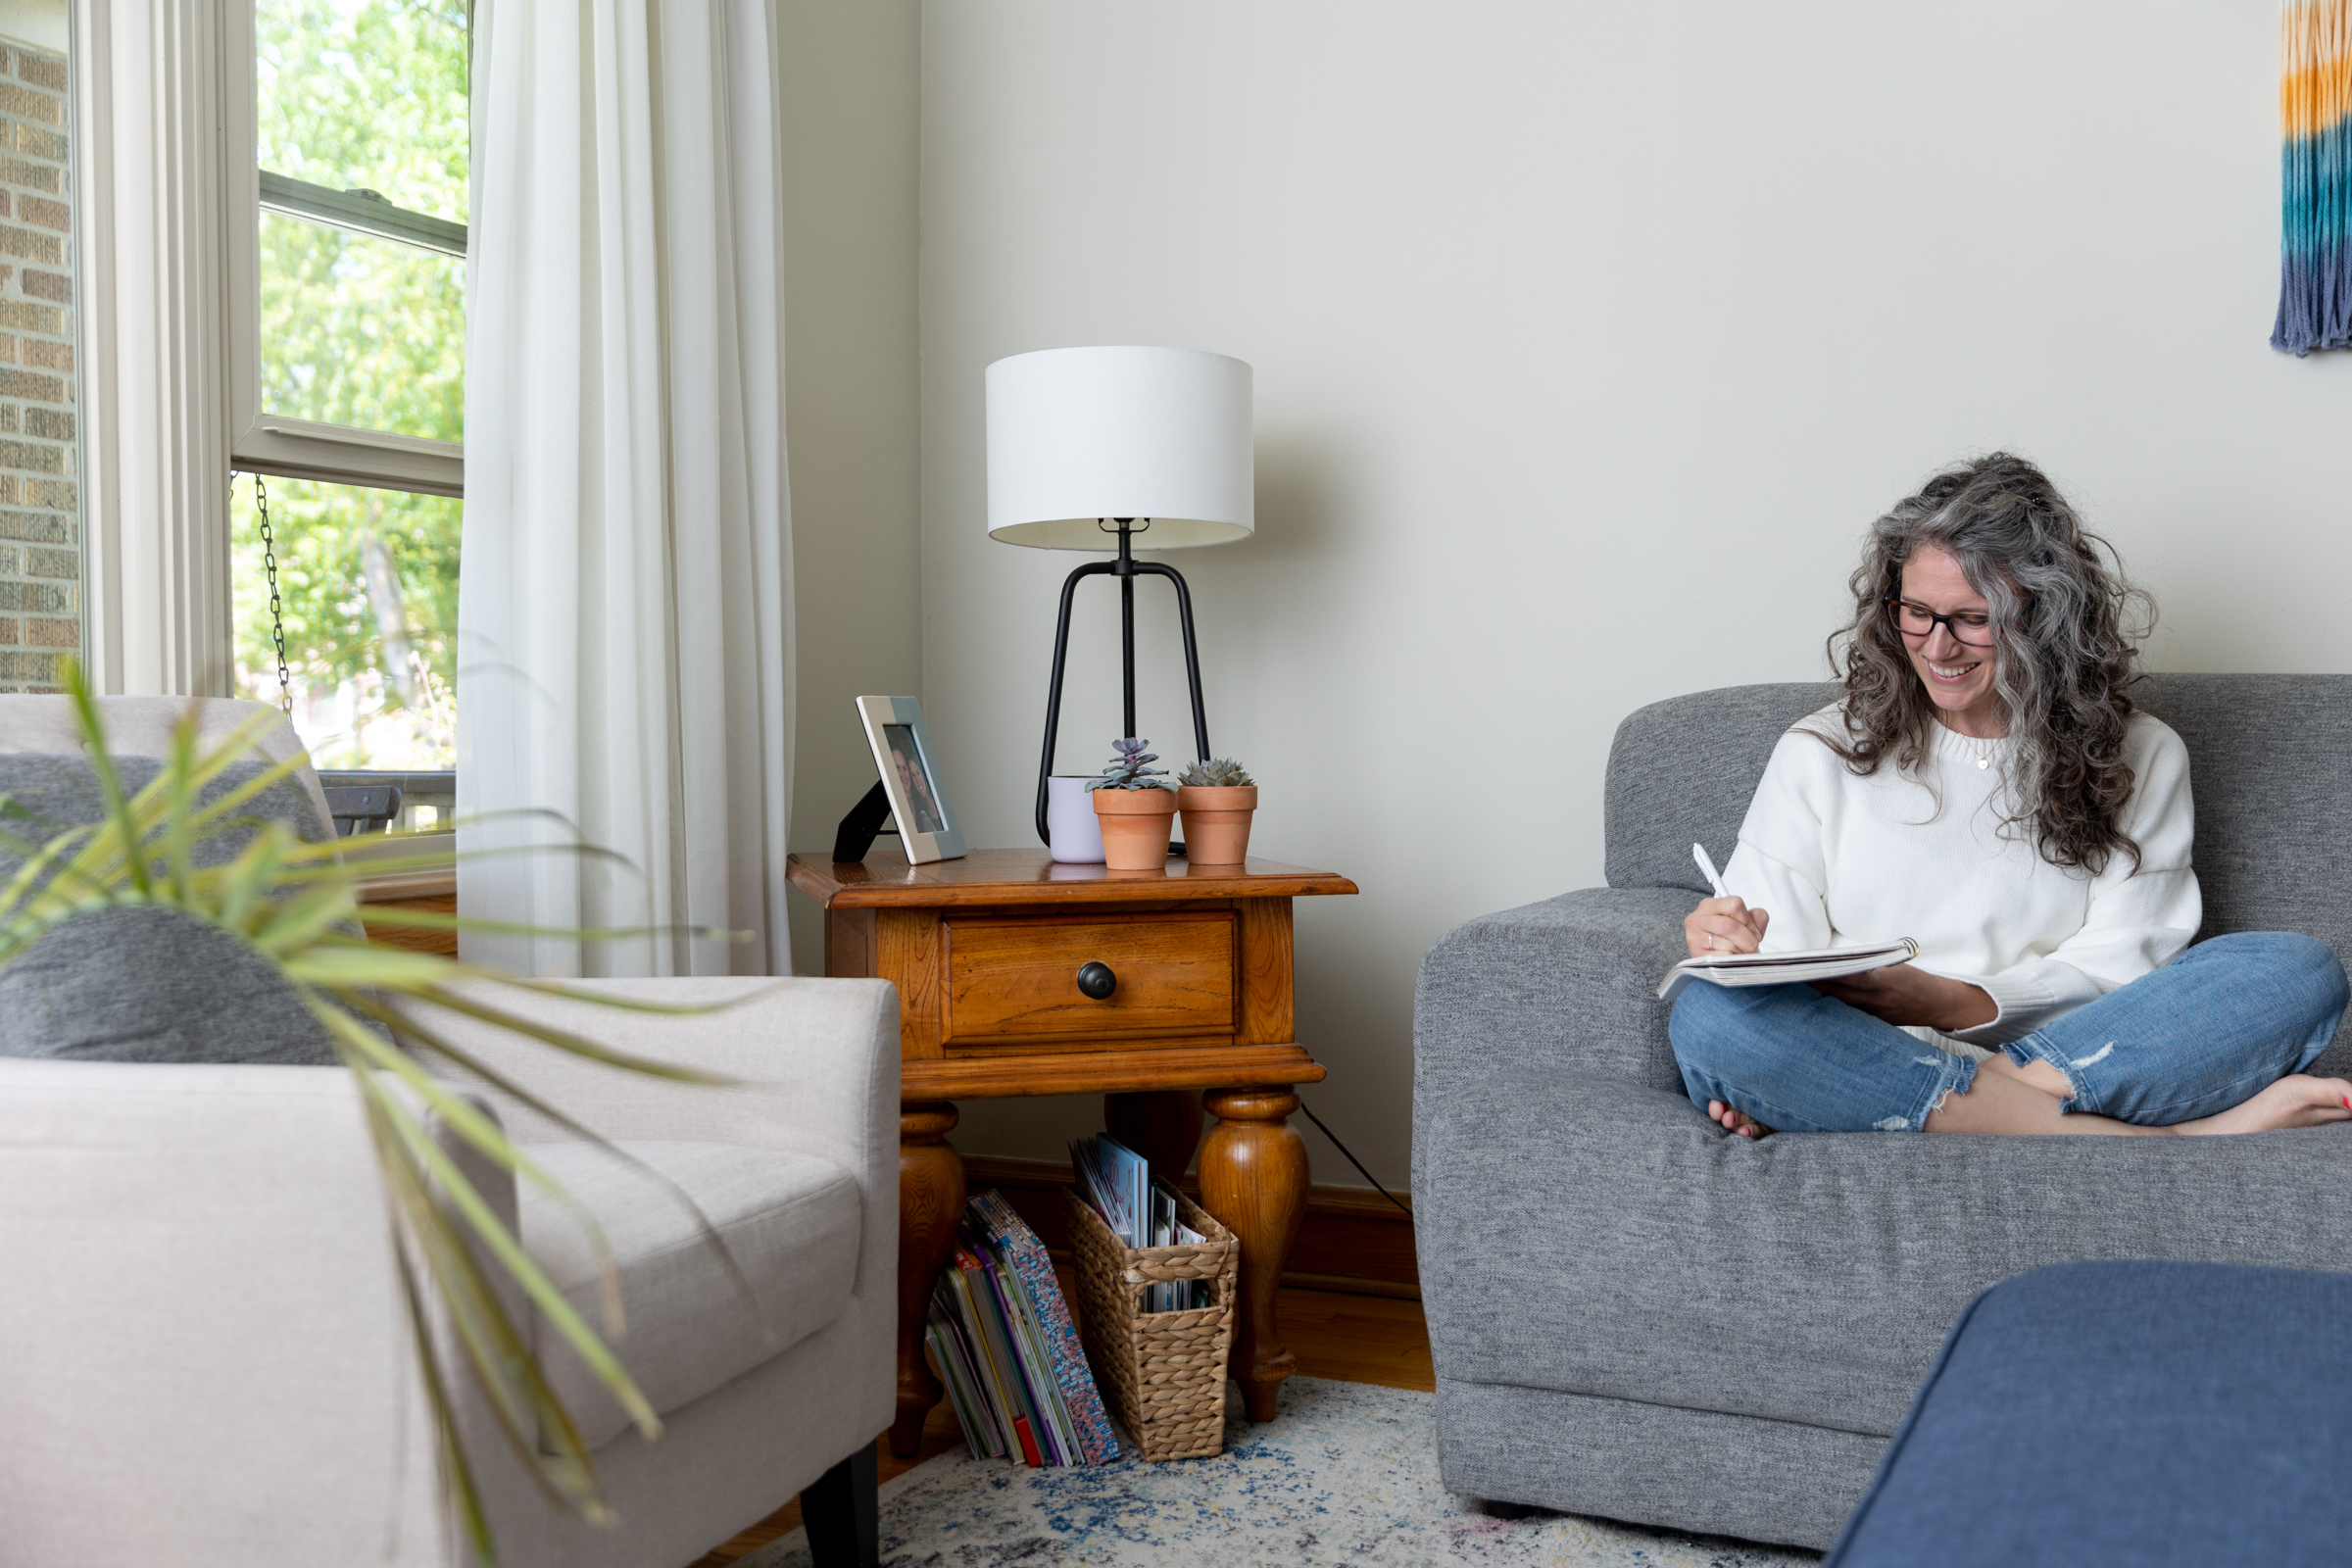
[1352, 1240]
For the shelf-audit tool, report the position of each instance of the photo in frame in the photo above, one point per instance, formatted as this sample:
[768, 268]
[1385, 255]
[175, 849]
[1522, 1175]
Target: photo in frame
[911, 778]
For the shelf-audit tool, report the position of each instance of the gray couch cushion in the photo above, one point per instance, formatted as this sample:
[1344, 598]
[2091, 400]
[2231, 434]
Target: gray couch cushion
[146, 983]
[2270, 758]
[1581, 1234]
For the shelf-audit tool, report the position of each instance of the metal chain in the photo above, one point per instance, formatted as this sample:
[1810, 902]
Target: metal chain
[278, 623]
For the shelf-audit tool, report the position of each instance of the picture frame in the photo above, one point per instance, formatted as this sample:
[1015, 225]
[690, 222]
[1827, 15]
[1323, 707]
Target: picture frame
[911, 778]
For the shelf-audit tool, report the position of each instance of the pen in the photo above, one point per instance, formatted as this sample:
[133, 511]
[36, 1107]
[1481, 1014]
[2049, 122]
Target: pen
[1706, 864]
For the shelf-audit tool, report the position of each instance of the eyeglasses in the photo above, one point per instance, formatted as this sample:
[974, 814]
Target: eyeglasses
[1971, 626]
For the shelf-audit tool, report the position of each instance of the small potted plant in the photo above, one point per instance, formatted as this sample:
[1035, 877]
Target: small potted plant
[1216, 799]
[1136, 809]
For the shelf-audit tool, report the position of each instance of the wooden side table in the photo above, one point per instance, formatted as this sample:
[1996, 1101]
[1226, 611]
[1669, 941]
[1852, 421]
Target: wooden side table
[986, 953]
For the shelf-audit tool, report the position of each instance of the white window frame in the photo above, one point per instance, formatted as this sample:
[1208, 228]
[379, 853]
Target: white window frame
[272, 443]
[167, 199]
[153, 384]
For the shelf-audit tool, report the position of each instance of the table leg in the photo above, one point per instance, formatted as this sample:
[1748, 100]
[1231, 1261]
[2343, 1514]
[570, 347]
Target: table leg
[1253, 1181]
[930, 1202]
[1163, 1125]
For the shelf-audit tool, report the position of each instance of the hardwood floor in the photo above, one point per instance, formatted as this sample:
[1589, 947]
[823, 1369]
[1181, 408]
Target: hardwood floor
[1350, 1338]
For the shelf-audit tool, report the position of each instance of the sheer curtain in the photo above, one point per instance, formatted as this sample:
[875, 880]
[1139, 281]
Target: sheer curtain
[624, 648]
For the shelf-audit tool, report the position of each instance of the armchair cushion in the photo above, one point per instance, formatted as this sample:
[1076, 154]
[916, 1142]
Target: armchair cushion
[791, 1222]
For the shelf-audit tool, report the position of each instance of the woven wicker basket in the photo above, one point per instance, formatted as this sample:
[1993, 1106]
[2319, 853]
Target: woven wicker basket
[1163, 1373]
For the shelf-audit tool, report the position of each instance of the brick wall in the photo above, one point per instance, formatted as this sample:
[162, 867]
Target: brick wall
[40, 471]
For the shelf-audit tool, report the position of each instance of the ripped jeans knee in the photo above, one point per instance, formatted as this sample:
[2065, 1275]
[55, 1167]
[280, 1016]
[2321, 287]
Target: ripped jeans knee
[2208, 1030]
[1802, 1062]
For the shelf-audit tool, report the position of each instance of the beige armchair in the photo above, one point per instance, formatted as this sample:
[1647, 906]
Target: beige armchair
[204, 1357]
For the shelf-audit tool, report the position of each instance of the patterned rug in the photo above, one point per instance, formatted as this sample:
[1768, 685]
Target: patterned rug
[1346, 1475]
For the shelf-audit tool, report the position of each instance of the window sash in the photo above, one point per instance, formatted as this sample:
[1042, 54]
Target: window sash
[361, 212]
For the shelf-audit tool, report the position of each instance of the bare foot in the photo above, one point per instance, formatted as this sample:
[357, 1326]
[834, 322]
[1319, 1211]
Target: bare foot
[1747, 1126]
[2296, 1100]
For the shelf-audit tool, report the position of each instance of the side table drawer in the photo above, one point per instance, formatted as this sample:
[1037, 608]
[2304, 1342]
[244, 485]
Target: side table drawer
[1015, 981]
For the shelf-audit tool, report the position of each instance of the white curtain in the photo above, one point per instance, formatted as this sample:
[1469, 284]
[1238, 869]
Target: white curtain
[624, 647]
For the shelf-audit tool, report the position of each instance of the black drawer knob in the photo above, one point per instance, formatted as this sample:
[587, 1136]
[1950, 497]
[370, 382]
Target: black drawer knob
[1097, 981]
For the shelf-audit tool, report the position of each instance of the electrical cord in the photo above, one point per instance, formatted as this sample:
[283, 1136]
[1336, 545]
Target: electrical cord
[1358, 1163]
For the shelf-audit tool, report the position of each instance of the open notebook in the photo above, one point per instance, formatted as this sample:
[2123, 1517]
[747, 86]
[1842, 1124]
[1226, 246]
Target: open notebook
[1785, 969]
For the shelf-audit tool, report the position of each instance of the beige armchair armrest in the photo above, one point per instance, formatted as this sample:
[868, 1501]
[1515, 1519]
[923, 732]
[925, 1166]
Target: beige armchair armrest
[207, 1359]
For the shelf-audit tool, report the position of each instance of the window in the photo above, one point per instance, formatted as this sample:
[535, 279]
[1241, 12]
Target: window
[347, 340]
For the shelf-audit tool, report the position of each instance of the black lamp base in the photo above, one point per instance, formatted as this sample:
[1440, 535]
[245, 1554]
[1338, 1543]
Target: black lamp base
[1126, 568]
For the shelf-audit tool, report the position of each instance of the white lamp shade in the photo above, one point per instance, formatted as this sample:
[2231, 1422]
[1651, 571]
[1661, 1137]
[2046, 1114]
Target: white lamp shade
[1075, 435]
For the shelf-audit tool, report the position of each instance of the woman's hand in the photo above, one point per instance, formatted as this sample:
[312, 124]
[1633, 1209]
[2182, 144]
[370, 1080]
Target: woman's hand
[1722, 925]
[1907, 996]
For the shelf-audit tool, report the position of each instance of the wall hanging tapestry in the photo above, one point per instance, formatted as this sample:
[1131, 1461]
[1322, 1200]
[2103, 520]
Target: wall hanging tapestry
[2315, 106]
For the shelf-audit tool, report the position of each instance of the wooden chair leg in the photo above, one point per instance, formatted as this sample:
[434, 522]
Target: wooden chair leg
[840, 1510]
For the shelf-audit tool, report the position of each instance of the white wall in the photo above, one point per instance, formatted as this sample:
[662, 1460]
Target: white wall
[1588, 339]
[851, 398]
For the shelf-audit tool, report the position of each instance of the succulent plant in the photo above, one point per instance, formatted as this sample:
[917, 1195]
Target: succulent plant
[1217, 774]
[1127, 770]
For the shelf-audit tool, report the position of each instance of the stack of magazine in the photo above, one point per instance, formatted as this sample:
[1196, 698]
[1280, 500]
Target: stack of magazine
[1007, 1350]
[1140, 1211]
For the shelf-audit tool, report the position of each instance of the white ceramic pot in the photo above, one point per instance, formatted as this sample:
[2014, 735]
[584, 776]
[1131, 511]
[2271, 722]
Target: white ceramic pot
[1070, 818]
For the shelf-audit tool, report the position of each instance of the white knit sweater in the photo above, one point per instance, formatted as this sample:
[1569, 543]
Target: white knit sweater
[1839, 860]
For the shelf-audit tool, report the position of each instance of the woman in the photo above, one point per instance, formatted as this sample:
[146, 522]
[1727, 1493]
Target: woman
[1986, 787]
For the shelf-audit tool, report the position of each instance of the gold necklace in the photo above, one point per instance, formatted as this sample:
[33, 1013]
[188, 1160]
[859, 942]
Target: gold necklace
[1983, 760]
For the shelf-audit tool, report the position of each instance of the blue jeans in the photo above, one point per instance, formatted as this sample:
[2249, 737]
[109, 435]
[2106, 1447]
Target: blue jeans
[2226, 1018]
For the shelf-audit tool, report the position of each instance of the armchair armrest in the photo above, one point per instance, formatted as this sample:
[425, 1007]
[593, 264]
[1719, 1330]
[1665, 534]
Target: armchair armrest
[815, 1063]
[202, 1311]
[1568, 983]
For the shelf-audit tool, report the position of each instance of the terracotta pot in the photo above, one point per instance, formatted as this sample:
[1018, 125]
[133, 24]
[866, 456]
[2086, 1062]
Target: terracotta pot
[1216, 822]
[1135, 824]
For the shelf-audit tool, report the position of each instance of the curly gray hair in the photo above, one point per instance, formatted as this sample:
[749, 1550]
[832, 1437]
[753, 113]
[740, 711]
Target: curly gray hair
[2068, 627]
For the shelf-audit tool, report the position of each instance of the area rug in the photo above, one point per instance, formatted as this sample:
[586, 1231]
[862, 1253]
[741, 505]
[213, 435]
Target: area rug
[1346, 1474]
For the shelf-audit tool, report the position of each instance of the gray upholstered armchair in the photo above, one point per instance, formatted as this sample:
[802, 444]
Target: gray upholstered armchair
[1637, 1315]
[206, 1356]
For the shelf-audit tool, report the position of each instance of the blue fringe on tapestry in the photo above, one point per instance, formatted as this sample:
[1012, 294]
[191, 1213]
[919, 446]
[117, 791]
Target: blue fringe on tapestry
[2315, 111]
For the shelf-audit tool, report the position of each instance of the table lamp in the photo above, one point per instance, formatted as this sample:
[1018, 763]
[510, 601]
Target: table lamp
[1099, 448]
